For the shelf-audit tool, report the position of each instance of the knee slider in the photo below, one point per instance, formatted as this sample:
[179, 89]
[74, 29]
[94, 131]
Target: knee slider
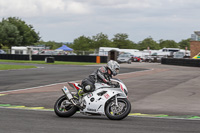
[88, 87]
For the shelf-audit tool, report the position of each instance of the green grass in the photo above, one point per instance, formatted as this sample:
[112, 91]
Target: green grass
[43, 62]
[9, 67]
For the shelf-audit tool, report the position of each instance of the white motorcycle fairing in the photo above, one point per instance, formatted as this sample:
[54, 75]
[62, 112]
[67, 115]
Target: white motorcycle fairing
[94, 102]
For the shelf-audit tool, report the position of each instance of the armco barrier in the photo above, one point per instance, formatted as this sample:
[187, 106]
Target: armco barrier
[181, 62]
[73, 58]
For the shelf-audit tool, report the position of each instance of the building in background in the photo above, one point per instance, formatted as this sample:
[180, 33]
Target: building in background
[195, 44]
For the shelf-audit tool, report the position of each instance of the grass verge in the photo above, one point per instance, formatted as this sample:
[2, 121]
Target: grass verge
[9, 67]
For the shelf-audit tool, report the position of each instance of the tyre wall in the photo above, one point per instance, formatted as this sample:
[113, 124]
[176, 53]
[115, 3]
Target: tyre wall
[73, 58]
[181, 62]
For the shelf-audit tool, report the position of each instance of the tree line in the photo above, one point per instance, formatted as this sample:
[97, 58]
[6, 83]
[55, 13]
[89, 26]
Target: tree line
[121, 40]
[16, 32]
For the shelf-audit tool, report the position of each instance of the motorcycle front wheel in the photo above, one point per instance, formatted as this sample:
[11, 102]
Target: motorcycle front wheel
[64, 108]
[119, 112]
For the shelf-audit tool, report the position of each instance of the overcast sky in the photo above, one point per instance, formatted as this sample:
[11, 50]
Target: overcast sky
[66, 20]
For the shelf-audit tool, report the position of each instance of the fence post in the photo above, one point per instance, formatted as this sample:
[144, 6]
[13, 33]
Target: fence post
[98, 59]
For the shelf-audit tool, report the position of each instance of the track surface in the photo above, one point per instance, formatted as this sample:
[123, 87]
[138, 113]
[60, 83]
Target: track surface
[47, 74]
[167, 90]
[24, 121]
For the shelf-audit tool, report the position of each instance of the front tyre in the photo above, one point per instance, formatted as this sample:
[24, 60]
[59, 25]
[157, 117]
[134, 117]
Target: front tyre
[64, 108]
[119, 112]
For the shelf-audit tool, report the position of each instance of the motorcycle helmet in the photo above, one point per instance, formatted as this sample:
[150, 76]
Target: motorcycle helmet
[114, 67]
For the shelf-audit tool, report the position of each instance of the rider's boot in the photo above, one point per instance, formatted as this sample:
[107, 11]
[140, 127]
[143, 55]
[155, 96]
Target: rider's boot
[77, 95]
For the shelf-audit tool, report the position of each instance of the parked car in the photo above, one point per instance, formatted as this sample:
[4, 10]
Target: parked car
[2, 51]
[179, 54]
[124, 58]
[153, 58]
[48, 52]
[136, 59]
[71, 54]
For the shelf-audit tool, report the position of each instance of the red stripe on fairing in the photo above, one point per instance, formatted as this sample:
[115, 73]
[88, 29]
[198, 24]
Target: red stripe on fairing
[75, 86]
[121, 87]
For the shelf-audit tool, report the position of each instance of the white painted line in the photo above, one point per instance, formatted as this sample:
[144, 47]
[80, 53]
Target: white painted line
[137, 71]
[34, 87]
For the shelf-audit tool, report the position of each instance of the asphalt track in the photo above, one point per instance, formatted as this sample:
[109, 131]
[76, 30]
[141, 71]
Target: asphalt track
[46, 74]
[165, 99]
[26, 121]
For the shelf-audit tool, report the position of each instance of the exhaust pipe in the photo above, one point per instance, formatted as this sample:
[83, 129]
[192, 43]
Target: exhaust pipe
[68, 94]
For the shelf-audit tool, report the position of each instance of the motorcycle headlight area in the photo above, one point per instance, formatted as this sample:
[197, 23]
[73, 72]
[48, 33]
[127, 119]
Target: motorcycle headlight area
[125, 92]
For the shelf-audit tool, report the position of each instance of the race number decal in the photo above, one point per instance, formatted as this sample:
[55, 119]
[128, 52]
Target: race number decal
[89, 95]
[106, 96]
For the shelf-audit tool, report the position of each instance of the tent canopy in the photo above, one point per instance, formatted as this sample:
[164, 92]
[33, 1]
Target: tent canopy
[64, 48]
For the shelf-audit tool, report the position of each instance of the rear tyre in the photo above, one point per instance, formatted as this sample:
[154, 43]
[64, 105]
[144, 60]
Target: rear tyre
[118, 113]
[64, 108]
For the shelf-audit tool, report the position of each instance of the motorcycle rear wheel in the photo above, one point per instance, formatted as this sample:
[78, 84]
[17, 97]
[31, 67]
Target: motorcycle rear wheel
[114, 112]
[64, 108]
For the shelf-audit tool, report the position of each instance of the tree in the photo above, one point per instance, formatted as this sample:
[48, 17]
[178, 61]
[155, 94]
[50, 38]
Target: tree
[27, 34]
[148, 43]
[121, 40]
[9, 35]
[184, 43]
[100, 40]
[82, 43]
[168, 44]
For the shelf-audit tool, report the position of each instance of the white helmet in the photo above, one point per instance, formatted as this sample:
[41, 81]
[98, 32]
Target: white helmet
[114, 67]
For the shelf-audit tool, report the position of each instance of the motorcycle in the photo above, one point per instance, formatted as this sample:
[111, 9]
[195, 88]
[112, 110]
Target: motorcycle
[109, 100]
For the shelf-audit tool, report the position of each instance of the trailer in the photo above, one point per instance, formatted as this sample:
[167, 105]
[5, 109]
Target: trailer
[26, 49]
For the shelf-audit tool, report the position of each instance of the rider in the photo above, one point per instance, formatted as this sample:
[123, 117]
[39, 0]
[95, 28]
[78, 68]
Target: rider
[102, 74]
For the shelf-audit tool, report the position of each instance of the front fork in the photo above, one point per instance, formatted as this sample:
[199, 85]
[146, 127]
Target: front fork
[116, 101]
